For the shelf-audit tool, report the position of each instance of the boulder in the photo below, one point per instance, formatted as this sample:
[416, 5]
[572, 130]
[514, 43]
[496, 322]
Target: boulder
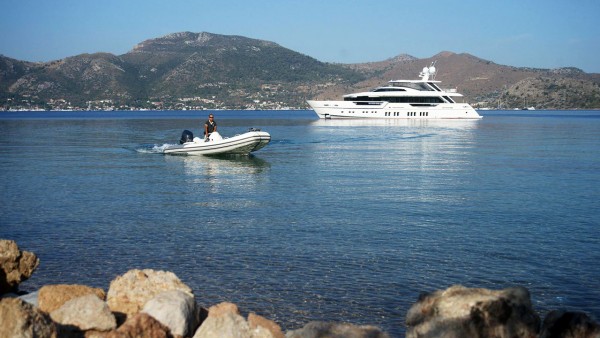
[52, 297]
[226, 325]
[85, 313]
[336, 330]
[129, 293]
[141, 325]
[20, 319]
[175, 309]
[224, 320]
[256, 322]
[465, 312]
[16, 266]
[223, 308]
[569, 325]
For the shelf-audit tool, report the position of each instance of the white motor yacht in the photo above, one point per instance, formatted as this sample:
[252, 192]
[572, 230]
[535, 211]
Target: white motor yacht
[400, 99]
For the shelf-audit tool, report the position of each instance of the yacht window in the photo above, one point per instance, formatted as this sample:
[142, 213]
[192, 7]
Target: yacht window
[435, 86]
[420, 86]
[449, 99]
[364, 100]
[389, 90]
[415, 99]
[367, 103]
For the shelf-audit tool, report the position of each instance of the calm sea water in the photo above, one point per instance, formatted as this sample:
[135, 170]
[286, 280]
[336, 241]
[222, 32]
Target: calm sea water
[336, 221]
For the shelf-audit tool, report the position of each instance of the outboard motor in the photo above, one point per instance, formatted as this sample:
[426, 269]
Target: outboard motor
[186, 136]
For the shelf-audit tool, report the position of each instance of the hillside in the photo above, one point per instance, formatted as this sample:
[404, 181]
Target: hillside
[486, 84]
[205, 71]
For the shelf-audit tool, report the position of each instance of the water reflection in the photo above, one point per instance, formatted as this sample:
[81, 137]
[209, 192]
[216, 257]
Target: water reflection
[218, 173]
[423, 159]
[434, 123]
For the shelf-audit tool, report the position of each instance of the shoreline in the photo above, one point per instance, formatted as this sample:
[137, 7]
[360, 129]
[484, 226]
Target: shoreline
[146, 301]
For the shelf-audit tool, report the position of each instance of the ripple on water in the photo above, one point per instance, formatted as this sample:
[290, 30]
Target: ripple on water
[345, 221]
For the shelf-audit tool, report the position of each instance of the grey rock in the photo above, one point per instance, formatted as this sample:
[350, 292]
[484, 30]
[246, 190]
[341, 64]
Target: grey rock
[569, 325]
[175, 309]
[227, 325]
[129, 293]
[19, 319]
[336, 330]
[464, 312]
[85, 313]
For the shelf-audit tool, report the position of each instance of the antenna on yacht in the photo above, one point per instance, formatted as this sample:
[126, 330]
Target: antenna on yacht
[428, 71]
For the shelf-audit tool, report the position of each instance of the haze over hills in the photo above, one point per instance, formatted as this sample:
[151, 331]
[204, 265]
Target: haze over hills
[207, 71]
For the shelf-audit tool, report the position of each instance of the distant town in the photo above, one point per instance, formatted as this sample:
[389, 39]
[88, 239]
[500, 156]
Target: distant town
[191, 103]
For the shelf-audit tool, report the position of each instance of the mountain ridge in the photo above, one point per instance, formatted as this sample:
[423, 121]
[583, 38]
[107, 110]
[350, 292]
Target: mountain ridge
[187, 70]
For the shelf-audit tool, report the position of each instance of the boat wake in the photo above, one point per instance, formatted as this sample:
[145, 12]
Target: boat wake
[153, 148]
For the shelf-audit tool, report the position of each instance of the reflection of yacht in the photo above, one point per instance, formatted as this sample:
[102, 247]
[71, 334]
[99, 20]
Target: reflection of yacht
[409, 123]
[400, 99]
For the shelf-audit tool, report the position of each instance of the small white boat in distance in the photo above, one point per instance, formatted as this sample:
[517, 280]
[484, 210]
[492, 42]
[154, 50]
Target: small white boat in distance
[242, 144]
[400, 99]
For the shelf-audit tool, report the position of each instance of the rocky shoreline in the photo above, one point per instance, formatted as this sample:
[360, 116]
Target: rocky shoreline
[149, 303]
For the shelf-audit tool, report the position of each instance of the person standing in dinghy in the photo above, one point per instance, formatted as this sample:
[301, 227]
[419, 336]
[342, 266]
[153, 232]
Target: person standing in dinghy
[209, 126]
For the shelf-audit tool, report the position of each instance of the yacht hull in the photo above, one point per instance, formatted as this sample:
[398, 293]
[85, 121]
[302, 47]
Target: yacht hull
[242, 144]
[386, 110]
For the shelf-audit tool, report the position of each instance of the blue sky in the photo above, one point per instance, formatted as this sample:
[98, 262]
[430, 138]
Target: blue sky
[535, 33]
